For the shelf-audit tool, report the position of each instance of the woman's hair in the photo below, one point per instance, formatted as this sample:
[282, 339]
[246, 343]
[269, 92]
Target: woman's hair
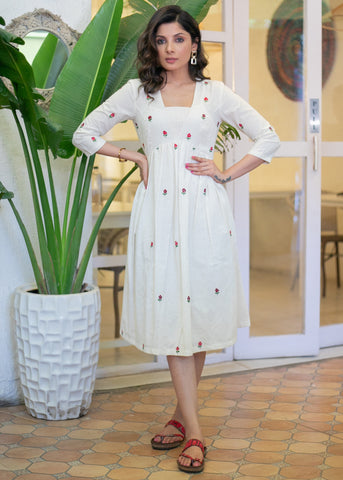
[149, 70]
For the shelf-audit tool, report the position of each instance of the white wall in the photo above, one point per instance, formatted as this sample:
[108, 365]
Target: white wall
[14, 265]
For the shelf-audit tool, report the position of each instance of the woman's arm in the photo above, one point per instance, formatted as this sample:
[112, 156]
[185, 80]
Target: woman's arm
[208, 167]
[112, 151]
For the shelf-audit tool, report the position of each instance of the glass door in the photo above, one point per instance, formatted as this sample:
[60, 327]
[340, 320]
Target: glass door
[277, 210]
[331, 303]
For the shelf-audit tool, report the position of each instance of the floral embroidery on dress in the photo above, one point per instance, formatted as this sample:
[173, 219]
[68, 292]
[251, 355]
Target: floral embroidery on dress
[203, 116]
[165, 191]
[211, 149]
[136, 124]
[188, 299]
[176, 243]
[206, 82]
[165, 134]
[199, 344]
[270, 128]
[189, 136]
[218, 123]
[111, 115]
[159, 299]
[183, 191]
[240, 125]
[193, 148]
[175, 146]
[230, 233]
[204, 192]
[93, 139]
[151, 244]
[177, 349]
[82, 124]
[149, 118]
[205, 99]
[216, 291]
[143, 346]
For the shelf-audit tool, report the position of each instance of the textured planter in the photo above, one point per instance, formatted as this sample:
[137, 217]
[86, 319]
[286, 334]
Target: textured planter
[58, 346]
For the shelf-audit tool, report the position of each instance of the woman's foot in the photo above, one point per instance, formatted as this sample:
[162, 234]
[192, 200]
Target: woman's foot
[192, 457]
[171, 436]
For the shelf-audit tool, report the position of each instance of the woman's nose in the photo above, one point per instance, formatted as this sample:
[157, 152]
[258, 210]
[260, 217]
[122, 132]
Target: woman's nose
[169, 47]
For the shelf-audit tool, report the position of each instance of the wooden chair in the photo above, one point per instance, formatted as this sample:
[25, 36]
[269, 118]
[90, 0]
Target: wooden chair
[113, 242]
[329, 235]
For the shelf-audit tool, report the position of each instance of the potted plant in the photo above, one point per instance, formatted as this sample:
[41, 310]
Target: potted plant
[57, 347]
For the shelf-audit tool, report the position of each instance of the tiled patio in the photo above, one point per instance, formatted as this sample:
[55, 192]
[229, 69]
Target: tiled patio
[277, 423]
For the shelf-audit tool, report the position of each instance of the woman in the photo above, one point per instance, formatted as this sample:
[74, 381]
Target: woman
[182, 293]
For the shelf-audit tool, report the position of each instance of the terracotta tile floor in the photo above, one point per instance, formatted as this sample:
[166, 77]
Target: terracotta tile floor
[276, 423]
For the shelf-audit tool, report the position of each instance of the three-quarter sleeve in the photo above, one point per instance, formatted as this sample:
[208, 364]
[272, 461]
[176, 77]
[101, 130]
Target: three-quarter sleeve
[119, 107]
[236, 111]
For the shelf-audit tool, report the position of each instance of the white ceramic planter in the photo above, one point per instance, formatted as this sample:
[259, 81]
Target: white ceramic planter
[58, 346]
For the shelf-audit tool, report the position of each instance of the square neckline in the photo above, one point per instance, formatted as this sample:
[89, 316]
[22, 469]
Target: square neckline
[180, 106]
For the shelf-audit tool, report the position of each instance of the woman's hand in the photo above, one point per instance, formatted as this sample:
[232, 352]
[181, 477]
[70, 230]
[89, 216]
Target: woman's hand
[207, 167]
[142, 163]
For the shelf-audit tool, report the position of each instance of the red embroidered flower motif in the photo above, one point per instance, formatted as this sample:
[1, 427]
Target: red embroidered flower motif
[218, 123]
[199, 344]
[206, 82]
[188, 299]
[189, 136]
[149, 118]
[151, 244]
[82, 124]
[270, 128]
[211, 149]
[203, 116]
[159, 299]
[177, 349]
[216, 291]
[176, 243]
[205, 191]
[240, 125]
[165, 133]
[165, 191]
[143, 346]
[205, 99]
[183, 191]
[111, 115]
[175, 146]
[93, 139]
[230, 233]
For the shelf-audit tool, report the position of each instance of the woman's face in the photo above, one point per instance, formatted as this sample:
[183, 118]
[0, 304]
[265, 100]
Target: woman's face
[174, 46]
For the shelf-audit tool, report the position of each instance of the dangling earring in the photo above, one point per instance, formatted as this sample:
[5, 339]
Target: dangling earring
[194, 58]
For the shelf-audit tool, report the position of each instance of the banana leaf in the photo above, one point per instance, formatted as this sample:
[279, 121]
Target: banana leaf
[49, 61]
[81, 84]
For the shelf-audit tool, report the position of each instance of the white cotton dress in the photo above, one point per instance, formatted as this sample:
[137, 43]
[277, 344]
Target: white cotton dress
[183, 292]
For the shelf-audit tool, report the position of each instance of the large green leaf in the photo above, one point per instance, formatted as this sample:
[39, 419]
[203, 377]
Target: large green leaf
[80, 86]
[49, 61]
[131, 28]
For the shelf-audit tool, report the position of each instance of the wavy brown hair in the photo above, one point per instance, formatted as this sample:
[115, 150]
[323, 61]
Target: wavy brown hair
[149, 70]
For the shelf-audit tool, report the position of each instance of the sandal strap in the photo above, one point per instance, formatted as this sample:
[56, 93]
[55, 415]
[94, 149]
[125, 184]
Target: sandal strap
[194, 442]
[166, 436]
[178, 426]
[193, 459]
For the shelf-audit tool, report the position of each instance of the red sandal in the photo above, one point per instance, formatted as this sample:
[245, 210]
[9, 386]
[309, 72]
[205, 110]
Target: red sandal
[169, 445]
[193, 442]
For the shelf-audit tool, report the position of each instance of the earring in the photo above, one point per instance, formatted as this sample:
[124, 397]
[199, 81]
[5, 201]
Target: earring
[194, 58]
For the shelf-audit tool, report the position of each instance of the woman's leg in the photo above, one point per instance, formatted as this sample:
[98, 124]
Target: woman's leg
[199, 360]
[185, 372]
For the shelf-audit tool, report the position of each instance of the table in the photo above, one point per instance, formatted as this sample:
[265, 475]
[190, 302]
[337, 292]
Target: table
[117, 216]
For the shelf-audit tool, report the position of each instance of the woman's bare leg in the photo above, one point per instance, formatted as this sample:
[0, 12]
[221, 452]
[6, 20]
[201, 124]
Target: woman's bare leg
[199, 359]
[185, 372]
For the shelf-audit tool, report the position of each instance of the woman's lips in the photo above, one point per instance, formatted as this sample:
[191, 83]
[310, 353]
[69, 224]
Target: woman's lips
[171, 60]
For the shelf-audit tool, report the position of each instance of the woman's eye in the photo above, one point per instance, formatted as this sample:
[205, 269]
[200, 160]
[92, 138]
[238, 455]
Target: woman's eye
[160, 41]
[179, 39]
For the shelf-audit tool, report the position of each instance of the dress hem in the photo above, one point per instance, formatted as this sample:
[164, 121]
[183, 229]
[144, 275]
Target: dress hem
[153, 351]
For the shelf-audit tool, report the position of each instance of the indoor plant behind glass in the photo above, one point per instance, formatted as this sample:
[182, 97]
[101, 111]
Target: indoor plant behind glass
[85, 81]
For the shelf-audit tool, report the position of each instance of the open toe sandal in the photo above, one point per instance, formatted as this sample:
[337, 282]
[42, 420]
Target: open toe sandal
[193, 442]
[161, 445]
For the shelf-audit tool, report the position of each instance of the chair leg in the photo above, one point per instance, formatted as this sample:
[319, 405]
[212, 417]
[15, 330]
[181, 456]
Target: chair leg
[337, 266]
[323, 268]
[116, 304]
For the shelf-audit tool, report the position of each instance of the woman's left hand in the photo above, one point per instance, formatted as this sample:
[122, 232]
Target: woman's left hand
[206, 167]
